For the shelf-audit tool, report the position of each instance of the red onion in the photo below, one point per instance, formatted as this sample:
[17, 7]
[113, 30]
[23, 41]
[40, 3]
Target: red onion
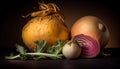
[90, 46]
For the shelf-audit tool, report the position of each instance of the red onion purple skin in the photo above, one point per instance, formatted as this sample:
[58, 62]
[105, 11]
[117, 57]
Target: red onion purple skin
[90, 46]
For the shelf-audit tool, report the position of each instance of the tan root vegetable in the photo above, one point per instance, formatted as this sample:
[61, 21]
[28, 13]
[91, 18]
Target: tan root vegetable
[47, 24]
[91, 26]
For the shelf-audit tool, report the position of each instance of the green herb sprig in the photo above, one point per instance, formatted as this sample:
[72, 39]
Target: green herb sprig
[53, 52]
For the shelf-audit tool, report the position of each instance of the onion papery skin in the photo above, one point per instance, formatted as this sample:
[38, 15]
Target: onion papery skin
[90, 47]
[93, 27]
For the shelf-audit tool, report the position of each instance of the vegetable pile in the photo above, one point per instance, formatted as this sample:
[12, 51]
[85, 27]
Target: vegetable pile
[47, 37]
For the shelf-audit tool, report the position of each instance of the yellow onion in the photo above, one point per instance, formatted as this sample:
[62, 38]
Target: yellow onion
[47, 24]
[93, 27]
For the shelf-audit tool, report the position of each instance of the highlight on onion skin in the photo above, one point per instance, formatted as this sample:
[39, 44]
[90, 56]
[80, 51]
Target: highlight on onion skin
[93, 27]
[90, 46]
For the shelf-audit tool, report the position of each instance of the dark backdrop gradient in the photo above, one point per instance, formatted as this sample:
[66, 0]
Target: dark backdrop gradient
[12, 22]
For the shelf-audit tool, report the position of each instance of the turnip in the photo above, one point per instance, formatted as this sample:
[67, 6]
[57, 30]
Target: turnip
[47, 24]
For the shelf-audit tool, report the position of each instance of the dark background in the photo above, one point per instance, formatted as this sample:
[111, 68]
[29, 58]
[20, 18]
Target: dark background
[11, 24]
[11, 21]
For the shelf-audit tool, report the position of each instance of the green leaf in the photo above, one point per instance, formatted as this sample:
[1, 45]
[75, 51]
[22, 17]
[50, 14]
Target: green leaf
[20, 49]
[40, 46]
[56, 49]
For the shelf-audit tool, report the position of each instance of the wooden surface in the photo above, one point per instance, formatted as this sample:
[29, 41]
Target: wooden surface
[98, 63]
[111, 62]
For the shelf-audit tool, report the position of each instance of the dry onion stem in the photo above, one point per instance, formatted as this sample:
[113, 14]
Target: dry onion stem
[46, 9]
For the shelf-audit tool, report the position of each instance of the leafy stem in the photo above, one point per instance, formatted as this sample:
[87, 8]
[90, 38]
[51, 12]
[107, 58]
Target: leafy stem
[52, 56]
[54, 52]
